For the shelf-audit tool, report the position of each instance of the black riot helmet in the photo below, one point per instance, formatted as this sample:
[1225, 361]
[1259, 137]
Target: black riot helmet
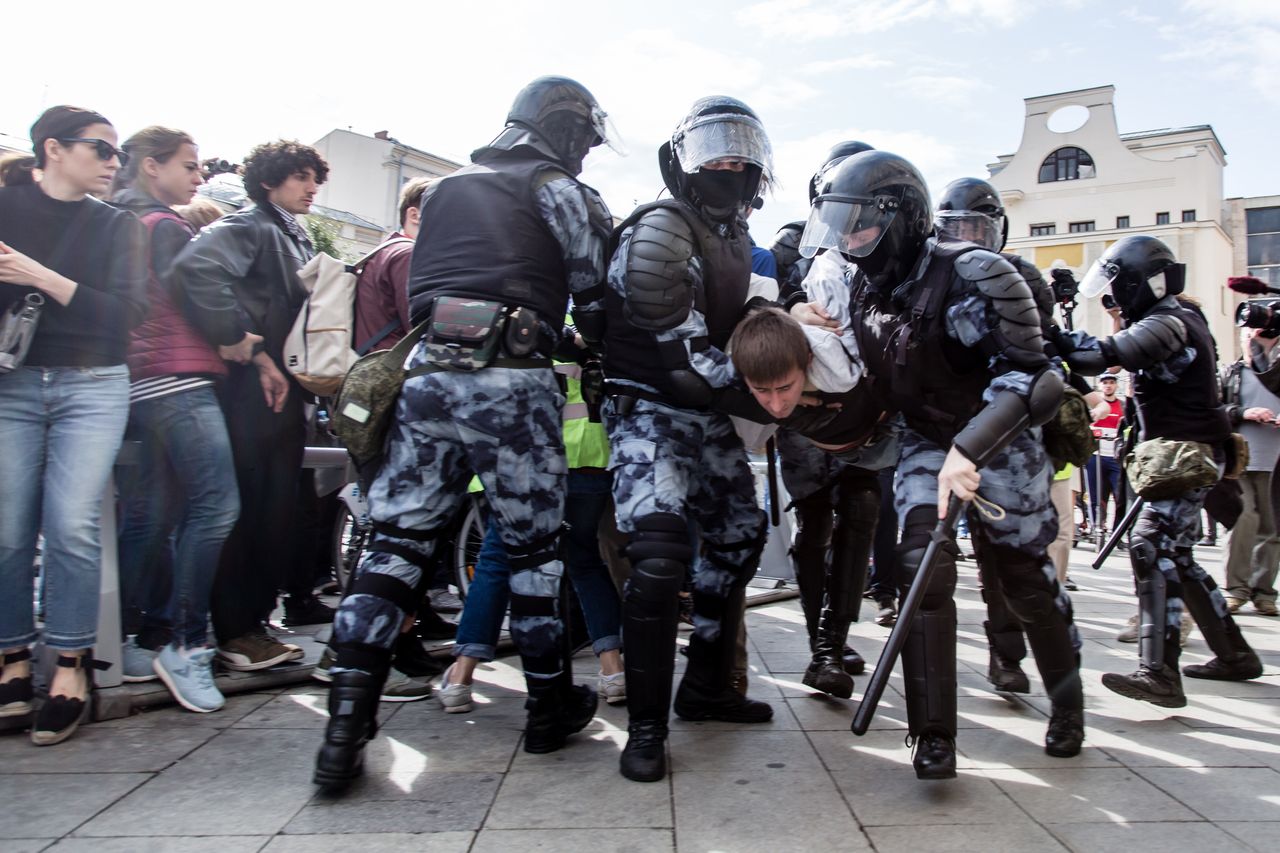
[558, 118]
[718, 130]
[786, 248]
[970, 210]
[874, 209]
[1139, 271]
[838, 152]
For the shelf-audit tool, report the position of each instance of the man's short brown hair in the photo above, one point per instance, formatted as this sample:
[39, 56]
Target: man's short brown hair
[411, 195]
[768, 345]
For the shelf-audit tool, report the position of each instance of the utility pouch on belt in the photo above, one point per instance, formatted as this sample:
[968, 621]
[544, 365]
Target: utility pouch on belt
[1162, 468]
[1067, 437]
[521, 337]
[464, 334]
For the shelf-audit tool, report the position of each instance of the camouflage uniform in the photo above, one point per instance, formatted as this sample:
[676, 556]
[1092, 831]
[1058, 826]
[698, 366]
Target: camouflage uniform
[503, 425]
[1173, 526]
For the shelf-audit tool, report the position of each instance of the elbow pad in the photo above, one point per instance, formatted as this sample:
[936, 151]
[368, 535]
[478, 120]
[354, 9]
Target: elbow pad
[992, 430]
[659, 284]
[1149, 341]
[1017, 335]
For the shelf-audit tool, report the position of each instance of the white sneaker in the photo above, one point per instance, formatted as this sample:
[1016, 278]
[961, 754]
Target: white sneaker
[454, 698]
[613, 688]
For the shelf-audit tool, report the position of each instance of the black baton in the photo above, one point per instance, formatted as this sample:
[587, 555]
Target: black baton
[1130, 518]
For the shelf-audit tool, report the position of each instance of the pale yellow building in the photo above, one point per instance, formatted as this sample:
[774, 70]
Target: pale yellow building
[1076, 185]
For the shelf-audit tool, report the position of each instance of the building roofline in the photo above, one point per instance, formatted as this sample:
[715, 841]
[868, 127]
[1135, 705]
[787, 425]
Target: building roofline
[1103, 88]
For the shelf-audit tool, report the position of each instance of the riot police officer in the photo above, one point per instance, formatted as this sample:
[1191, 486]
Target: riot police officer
[678, 284]
[950, 333]
[503, 244]
[1166, 343]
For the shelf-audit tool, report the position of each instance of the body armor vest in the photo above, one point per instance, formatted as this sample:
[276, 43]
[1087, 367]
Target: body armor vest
[1188, 409]
[914, 366]
[721, 297]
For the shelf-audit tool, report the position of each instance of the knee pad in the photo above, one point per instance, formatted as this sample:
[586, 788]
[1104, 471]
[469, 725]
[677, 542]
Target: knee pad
[660, 553]
[917, 532]
[1144, 556]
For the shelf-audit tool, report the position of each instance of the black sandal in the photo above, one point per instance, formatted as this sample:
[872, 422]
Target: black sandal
[16, 694]
[60, 716]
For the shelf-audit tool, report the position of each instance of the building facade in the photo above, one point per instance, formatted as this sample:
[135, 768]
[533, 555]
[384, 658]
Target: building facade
[367, 172]
[1076, 185]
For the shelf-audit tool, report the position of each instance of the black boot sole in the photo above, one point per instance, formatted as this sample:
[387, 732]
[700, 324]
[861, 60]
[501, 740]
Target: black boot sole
[1070, 751]
[334, 780]
[1115, 685]
[540, 744]
[839, 688]
[654, 774]
[1022, 686]
[935, 774]
[695, 714]
[1203, 673]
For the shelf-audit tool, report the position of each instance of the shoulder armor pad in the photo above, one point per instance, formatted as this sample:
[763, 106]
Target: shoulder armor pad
[1149, 341]
[659, 290]
[1040, 289]
[1017, 333]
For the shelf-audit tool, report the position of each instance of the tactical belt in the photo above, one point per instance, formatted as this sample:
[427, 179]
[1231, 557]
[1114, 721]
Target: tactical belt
[509, 363]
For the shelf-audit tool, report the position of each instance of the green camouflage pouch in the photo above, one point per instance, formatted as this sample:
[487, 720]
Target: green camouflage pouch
[1161, 468]
[366, 400]
[464, 334]
[1068, 437]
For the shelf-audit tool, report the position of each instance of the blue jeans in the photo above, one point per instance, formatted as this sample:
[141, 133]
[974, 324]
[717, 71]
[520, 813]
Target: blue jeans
[587, 498]
[60, 431]
[179, 509]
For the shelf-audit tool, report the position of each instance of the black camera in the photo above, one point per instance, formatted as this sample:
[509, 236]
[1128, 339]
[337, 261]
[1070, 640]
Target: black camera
[1064, 285]
[1108, 301]
[1260, 314]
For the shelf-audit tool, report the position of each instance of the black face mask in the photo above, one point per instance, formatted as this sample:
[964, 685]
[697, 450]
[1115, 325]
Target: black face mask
[720, 189]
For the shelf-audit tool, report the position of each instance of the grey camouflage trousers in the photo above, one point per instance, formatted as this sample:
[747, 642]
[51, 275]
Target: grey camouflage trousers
[1172, 526]
[503, 425]
[690, 464]
[1017, 481]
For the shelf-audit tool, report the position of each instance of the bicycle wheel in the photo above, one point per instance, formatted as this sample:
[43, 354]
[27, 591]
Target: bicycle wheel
[466, 545]
[349, 539]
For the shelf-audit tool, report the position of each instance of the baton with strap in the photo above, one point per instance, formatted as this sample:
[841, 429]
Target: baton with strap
[943, 532]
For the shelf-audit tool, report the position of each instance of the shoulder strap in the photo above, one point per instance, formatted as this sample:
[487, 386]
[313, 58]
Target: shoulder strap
[358, 266]
[378, 336]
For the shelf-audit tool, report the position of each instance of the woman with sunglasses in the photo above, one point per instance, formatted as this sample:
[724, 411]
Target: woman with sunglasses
[63, 411]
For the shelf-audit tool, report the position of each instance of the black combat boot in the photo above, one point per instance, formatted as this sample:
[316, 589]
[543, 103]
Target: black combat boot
[1065, 734]
[854, 663]
[706, 691]
[645, 757]
[409, 657]
[826, 672]
[556, 714]
[1158, 684]
[353, 722]
[1006, 676]
[1235, 659]
[935, 756]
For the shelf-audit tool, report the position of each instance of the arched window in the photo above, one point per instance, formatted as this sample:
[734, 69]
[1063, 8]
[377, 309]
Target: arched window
[1066, 164]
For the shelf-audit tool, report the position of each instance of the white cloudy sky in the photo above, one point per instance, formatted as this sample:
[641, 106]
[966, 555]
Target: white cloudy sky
[939, 81]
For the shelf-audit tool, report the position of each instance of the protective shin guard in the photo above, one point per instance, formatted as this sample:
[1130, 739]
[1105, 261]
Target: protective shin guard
[1152, 602]
[851, 544]
[929, 670]
[353, 721]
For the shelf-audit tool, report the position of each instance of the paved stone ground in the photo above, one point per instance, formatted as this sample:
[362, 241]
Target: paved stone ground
[1203, 777]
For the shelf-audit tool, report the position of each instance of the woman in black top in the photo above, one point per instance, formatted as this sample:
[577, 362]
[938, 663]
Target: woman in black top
[63, 412]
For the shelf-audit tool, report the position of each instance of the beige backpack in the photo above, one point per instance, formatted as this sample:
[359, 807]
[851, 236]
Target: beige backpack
[318, 350]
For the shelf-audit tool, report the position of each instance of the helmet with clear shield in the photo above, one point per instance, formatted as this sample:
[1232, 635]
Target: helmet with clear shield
[560, 119]
[970, 210]
[1138, 271]
[838, 152]
[719, 157]
[874, 209]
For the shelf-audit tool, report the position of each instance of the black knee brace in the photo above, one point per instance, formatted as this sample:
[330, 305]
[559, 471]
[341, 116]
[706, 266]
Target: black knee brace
[916, 534]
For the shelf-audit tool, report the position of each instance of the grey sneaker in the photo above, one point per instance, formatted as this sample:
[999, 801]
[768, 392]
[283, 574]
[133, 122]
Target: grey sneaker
[135, 663]
[189, 677]
[444, 601]
[251, 652]
[321, 671]
[403, 688]
[1129, 633]
[613, 688]
[454, 698]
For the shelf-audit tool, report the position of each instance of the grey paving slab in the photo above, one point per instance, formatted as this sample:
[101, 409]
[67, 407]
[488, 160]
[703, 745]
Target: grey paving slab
[185, 844]
[711, 752]
[578, 799]
[886, 792]
[771, 813]
[27, 845]
[290, 711]
[574, 841]
[824, 713]
[1148, 837]
[102, 750]
[383, 842]
[461, 748]
[1023, 747]
[1020, 835]
[52, 804]
[1258, 835]
[586, 750]
[1222, 793]
[1194, 748]
[254, 780]
[1088, 795]
[410, 802]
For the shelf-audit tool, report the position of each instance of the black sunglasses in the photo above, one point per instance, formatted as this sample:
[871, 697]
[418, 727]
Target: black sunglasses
[104, 149]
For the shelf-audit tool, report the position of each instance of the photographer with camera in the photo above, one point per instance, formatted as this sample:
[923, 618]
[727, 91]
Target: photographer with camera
[1249, 391]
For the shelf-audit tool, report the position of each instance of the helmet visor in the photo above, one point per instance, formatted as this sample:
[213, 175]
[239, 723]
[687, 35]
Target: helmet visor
[607, 131]
[971, 227]
[724, 137]
[1099, 278]
[853, 226]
